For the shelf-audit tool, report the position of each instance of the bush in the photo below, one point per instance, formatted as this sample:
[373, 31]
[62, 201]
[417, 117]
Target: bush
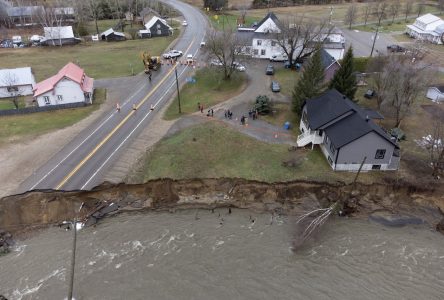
[263, 105]
[133, 33]
[81, 29]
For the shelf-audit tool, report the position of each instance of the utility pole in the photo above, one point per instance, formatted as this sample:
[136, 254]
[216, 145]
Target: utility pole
[177, 86]
[73, 256]
[374, 40]
[331, 14]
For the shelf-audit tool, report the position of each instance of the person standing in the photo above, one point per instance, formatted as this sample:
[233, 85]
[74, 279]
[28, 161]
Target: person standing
[118, 107]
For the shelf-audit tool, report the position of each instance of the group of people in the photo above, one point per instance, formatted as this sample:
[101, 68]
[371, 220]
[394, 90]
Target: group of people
[228, 114]
[253, 114]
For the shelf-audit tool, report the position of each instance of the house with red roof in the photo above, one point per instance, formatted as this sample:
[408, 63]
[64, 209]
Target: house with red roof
[69, 85]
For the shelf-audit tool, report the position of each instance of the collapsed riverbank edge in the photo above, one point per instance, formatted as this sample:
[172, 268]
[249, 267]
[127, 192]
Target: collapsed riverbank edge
[392, 201]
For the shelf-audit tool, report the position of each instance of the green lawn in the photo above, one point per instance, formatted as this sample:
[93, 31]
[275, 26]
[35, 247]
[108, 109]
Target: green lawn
[99, 59]
[213, 150]
[230, 20]
[282, 113]
[20, 127]
[6, 103]
[287, 79]
[209, 89]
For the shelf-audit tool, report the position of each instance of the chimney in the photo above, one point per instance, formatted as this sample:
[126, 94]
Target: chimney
[367, 118]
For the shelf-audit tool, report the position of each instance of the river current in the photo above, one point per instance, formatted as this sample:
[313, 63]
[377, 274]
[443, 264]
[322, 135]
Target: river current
[205, 255]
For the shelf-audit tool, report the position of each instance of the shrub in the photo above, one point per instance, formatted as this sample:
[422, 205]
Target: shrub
[263, 105]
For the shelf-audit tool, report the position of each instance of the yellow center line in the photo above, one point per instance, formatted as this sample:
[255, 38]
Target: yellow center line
[109, 135]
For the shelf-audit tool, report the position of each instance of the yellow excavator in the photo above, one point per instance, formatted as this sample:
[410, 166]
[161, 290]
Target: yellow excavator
[150, 62]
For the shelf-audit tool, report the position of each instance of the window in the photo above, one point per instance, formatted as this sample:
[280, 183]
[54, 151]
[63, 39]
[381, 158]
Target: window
[380, 153]
[59, 97]
[273, 43]
[159, 32]
[332, 149]
[46, 99]
[327, 140]
[259, 42]
[376, 167]
[158, 26]
[263, 52]
[255, 52]
[320, 132]
[13, 88]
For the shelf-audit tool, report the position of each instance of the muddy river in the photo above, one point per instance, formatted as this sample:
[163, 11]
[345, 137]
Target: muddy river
[205, 255]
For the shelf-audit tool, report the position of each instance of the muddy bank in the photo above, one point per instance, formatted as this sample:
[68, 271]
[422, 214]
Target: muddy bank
[22, 212]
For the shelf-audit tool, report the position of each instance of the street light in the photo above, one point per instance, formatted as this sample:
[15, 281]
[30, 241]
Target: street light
[73, 256]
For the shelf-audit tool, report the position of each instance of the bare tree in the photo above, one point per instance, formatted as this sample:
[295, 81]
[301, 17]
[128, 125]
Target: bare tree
[408, 8]
[434, 143]
[243, 10]
[227, 49]
[420, 8]
[11, 81]
[95, 11]
[379, 78]
[299, 37]
[406, 80]
[351, 15]
[441, 5]
[380, 11]
[394, 9]
[367, 11]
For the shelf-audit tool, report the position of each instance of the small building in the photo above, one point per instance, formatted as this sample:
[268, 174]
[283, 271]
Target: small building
[111, 35]
[346, 134]
[22, 16]
[158, 27]
[15, 82]
[330, 65]
[144, 34]
[428, 28]
[436, 93]
[59, 36]
[69, 85]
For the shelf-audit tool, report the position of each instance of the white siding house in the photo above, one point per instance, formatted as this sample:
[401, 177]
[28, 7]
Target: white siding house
[69, 85]
[427, 27]
[14, 82]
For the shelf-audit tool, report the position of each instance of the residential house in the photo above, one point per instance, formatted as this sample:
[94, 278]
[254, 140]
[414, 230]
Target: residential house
[158, 27]
[436, 93]
[330, 65]
[111, 35]
[346, 134]
[428, 28]
[59, 36]
[14, 82]
[262, 43]
[24, 15]
[69, 85]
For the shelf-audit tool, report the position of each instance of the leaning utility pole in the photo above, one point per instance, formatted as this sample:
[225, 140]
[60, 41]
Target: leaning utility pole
[374, 40]
[177, 86]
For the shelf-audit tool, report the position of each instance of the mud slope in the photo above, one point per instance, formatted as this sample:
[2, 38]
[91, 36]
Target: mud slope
[42, 208]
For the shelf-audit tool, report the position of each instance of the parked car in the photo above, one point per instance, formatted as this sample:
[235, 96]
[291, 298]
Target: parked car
[239, 66]
[295, 65]
[370, 94]
[275, 87]
[7, 44]
[269, 70]
[279, 57]
[172, 54]
[184, 23]
[216, 62]
[395, 48]
[190, 58]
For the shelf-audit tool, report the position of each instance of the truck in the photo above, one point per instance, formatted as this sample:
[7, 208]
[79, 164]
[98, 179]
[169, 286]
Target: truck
[150, 62]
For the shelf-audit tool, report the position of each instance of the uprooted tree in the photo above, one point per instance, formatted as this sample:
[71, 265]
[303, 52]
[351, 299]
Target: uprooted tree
[300, 36]
[434, 143]
[225, 47]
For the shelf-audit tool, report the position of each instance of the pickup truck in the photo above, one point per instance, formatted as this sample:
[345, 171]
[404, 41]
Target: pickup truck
[395, 48]
[172, 54]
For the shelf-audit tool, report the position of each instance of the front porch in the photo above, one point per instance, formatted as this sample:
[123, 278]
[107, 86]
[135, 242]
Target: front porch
[315, 137]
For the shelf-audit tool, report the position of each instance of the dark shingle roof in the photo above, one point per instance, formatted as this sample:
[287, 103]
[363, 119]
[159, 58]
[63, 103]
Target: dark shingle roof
[440, 88]
[341, 119]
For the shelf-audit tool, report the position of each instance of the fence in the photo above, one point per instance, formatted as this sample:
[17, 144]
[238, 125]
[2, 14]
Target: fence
[34, 109]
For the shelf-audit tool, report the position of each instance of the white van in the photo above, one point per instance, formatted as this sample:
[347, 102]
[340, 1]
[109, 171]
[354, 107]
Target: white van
[279, 57]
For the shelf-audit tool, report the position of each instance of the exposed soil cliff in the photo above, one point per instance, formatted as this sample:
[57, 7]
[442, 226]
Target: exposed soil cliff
[41, 208]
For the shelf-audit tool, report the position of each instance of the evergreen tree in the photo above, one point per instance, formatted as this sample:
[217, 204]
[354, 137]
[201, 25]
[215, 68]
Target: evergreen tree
[311, 83]
[345, 80]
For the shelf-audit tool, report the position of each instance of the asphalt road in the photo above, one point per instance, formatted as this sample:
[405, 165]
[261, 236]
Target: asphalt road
[82, 163]
[362, 42]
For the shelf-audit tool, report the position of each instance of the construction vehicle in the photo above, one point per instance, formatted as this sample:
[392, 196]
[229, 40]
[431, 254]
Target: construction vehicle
[150, 62]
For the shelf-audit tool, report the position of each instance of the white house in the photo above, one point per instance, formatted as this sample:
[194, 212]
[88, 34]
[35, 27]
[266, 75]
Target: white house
[14, 82]
[264, 43]
[60, 35]
[427, 27]
[436, 93]
[69, 85]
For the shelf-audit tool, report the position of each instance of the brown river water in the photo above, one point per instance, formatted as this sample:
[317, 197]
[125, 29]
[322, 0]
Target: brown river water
[205, 255]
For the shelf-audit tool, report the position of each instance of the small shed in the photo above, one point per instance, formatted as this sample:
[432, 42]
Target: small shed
[436, 93]
[158, 27]
[111, 35]
[144, 34]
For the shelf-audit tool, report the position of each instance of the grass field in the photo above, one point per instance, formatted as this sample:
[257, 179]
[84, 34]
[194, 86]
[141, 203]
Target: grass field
[6, 103]
[230, 21]
[287, 79]
[209, 89]
[100, 59]
[20, 127]
[213, 150]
